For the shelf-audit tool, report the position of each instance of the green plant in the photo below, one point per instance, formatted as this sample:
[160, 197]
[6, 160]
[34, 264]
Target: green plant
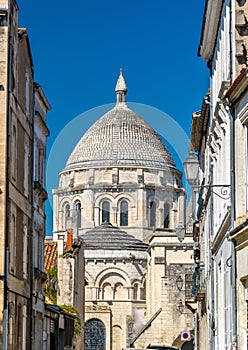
[51, 285]
[77, 321]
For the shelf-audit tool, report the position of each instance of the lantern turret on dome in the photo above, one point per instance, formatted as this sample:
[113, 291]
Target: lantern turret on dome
[121, 89]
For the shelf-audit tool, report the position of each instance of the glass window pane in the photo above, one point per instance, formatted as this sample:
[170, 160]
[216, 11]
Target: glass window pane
[166, 215]
[153, 208]
[124, 213]
[105, 211]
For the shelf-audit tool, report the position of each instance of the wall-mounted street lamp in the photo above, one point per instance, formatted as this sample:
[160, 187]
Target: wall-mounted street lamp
[191, 169]
[180, 307]
[179, 282]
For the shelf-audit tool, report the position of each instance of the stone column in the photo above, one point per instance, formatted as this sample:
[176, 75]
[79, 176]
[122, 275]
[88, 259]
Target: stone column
[161, 218]
[113, 215]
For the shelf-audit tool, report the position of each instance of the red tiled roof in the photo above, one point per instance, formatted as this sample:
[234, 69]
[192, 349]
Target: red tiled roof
[50, 255]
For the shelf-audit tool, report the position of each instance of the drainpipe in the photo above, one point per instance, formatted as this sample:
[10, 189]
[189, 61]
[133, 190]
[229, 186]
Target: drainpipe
[232, 214]
[212, 269]
[195, 331]
[232, 179]
[6, 265]
[31, 238]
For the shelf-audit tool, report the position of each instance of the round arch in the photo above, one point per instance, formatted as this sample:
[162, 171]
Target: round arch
[95, 335]
[117, 332]
[100, 277]
[103, 196]
[63, 201]
[89, 278]
[76, 197]
[125, 196]
[65, 212]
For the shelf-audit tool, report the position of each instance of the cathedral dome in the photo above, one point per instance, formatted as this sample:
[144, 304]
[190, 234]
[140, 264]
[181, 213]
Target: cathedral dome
[107, 236]
[120, 138]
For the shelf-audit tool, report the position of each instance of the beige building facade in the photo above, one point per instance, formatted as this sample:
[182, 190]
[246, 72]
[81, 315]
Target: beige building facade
[218, 137]
[23, 108]
[238, 97]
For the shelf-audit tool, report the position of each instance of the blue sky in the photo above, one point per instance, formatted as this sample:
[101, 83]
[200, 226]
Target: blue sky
[78, 48]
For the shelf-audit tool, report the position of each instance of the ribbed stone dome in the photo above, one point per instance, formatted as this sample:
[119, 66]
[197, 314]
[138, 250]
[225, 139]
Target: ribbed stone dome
[120, 137]
[107, 236]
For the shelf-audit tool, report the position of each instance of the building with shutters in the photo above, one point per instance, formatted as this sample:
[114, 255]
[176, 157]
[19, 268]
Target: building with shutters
[219, 139]
[23, 133]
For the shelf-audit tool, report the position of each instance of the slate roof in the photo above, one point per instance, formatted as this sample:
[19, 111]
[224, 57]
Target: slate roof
[107, 236]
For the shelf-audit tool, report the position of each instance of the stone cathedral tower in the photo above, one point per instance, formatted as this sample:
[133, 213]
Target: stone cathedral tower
[120, 188]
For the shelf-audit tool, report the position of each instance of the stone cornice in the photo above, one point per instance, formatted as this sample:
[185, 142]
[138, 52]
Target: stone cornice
[41, 123]
[221, 234]
[238, 87]
[210, 26]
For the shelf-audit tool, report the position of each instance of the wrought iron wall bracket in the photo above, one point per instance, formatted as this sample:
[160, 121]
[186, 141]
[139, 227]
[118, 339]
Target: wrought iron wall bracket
[225, 190]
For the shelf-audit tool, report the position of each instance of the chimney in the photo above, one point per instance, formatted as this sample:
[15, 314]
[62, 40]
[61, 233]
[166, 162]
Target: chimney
[61, 238]
[69, 238]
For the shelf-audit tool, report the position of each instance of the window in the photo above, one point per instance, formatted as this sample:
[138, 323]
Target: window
[26, 166]
[78, 213]
[153, 210]
[135, 291]
[40, 251]
[25, 252]
[67, 210]
[124, 213]
[41, 167]
[67, 214]
[95, 335]
[27, 92]
[188, 285]
[107, 291]
[120, 292]
[24, 326]
[105, 211]
[14, 153]
[166, 215]
[12, 252]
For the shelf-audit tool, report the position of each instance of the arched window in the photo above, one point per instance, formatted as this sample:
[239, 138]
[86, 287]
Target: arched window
[143, 291]
[135, 291]
[107, 292]
[166, 215]
[105, 211]
[95, 335]
[67, 214]
[153, 210]
[124, 213]
[67, 210]
[119, 292]
[78, 213]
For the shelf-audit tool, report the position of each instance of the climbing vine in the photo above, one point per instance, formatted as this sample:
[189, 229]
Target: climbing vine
[77, 321]
[51, 285]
